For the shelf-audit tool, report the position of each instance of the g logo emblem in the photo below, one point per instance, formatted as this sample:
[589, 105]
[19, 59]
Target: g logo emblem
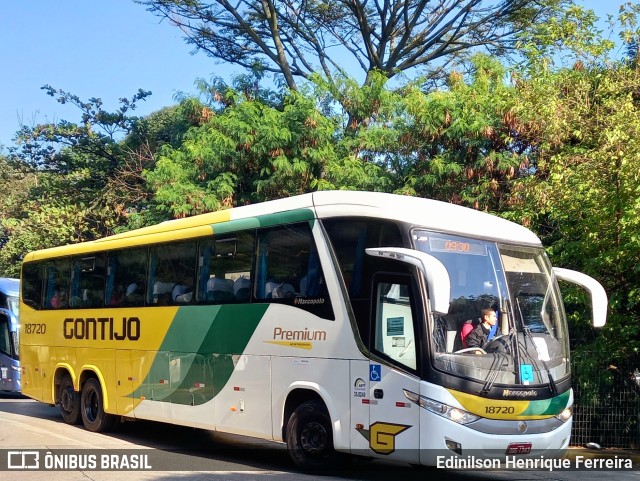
[383, 436]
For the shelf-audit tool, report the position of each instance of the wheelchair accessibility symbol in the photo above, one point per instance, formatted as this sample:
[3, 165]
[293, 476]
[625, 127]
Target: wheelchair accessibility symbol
[375, 372]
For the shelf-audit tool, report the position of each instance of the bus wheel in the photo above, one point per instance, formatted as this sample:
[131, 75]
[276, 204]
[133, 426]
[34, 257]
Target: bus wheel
[69, 401]
[92, 408]
[309, 436]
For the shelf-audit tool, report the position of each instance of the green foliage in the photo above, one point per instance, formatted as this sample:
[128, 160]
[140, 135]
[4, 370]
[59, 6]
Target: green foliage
[245, 151]
[68, 182]
[166, 126]
[367, 145]
[15, 184]
[461, 139]
[570, 34]
[96, 135]
[629, 21]
[44, 226]
[584, 198]
[404, 40]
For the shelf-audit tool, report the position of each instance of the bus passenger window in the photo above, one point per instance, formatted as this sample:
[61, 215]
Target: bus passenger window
[58, 276]
[126, 274]
[5, 336]
[32, 284]
[288, 268]
[224, 272]
[172, 269]
[350, 237]
[87, 281]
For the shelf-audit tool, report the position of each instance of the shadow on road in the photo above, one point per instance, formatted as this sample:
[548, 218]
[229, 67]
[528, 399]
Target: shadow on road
[182, 449]
[177, 452]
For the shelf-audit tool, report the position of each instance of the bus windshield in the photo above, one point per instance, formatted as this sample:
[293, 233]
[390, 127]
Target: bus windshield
[529, 343]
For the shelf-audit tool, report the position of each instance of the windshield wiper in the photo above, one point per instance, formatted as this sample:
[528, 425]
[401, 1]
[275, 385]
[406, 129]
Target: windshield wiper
[552, 383]
[500, 360]
[494, 370]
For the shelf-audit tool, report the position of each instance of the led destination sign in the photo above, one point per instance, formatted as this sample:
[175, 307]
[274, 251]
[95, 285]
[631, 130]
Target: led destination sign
[437, 244]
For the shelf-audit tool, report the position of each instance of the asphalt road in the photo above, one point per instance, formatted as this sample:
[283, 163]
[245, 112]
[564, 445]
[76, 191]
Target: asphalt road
[30, 430]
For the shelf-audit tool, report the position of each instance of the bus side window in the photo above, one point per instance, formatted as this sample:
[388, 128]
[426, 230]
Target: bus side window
[288, 268]
[350, 237]
[126, 277]
[5, 336]
[87, 281]
[58, 277]
[32, 284]
[224, 268]
[172, 269]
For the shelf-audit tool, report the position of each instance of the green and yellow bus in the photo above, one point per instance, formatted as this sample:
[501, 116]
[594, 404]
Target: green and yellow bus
[329, 321]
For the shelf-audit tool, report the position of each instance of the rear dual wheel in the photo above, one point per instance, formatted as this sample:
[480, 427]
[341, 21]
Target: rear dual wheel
[69, 401]
[92, 408]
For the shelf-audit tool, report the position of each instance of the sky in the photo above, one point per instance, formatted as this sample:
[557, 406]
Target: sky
[91, 48]
[100, 48]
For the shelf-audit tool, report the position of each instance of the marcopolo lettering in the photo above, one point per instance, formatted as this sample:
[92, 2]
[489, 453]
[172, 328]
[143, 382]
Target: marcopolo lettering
[512, 393]
[102, 328]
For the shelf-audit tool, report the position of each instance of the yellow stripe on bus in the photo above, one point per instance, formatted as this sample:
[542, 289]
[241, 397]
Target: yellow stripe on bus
[499, 408]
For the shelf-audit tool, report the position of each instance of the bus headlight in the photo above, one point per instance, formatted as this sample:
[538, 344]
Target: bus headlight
[565, 415]
[454, 414]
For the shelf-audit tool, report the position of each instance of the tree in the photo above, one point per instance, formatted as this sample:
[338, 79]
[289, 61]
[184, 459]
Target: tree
[299, 38]
[462, 143]
[458, 144]
[246, 149]
[583, 196]
[127, 188]
[96, 135]
[15, 184]
[69, 182]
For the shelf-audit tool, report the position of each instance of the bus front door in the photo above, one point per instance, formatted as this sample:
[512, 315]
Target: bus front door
[394, 427]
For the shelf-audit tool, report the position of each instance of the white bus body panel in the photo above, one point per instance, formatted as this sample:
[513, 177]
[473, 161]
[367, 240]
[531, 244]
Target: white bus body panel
[329, 378]
[394, 420]
[359, 404]
[244, 406]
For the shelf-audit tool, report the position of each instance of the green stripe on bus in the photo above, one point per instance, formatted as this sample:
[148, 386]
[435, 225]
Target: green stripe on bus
[267, 220]
[548, 407]
[205, 341]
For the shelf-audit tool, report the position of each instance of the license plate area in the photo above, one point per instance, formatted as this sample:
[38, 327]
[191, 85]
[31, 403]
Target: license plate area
[519, 448]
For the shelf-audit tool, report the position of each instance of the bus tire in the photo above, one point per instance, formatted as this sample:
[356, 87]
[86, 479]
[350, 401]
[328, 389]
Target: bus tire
[309, 436]
[92, 408]
[69, 401]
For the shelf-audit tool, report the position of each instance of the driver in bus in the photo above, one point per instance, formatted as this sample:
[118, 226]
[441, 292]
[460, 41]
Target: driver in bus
[480, 335]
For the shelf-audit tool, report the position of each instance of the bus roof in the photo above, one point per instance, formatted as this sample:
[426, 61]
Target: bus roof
[10, 287]
[427, 213]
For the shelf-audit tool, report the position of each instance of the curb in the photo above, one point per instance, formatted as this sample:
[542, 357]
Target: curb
[572, 453]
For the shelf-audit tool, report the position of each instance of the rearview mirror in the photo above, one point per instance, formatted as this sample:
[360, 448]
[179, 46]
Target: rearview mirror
[433, 270]
[594, 288]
